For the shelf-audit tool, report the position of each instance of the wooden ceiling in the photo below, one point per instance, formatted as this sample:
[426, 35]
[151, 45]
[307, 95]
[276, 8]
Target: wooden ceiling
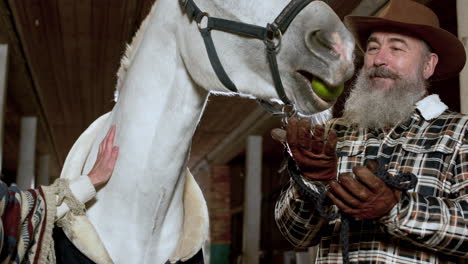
[63, 60]
[64, 55]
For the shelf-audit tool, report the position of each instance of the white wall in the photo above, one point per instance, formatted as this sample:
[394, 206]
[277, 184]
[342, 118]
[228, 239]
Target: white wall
[462, 19]
[3, 87]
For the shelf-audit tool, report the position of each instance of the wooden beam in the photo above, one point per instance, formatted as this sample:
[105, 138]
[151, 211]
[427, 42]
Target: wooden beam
[425, 2]
[368, 7]
[257, 123]
[343, 8]
[25, 95]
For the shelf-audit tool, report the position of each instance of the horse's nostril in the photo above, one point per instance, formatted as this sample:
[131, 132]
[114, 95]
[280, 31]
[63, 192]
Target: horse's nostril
[321, 38]
[321, 42]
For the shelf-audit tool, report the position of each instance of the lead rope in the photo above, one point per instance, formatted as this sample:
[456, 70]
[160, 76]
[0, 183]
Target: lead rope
[403, 181]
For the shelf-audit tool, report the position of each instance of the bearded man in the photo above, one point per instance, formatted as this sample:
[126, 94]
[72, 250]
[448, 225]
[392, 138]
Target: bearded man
[389, 117]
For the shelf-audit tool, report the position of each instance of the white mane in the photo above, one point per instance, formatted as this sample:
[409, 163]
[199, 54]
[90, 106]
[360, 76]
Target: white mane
[130, 52]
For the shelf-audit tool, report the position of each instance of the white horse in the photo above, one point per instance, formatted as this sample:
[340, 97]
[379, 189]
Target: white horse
[164, 81]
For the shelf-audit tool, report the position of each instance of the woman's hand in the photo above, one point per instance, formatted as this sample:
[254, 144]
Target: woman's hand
[106, 158]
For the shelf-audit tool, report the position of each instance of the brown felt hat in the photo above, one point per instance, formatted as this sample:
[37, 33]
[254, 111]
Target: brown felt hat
[418, 20]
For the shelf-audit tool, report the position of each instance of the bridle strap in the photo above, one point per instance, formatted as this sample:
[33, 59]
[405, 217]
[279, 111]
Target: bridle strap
[190, 8]
[268, 34]
[289, 13]
[215, 62]
[246, 30]
[271, 55]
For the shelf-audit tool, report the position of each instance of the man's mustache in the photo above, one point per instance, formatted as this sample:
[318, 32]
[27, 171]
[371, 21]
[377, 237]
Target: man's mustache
[382, 72]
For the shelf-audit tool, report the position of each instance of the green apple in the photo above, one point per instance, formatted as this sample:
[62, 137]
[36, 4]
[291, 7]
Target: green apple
[325, 92]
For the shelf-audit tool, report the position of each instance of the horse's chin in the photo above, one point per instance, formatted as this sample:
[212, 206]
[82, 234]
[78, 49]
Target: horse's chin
[307, 102]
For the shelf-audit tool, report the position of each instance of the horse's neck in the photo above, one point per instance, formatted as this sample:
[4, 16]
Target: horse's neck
[156, 114]
[158, 106]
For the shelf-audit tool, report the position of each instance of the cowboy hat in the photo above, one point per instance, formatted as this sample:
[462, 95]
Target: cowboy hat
[418, 20]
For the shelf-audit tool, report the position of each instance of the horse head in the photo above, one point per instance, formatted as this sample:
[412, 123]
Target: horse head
[311, 47]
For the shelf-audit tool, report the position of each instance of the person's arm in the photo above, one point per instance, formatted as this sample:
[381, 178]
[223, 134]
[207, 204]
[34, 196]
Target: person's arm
[314, 154]
[297, 218]
[84, 187]
[434, 222]
[28, 216]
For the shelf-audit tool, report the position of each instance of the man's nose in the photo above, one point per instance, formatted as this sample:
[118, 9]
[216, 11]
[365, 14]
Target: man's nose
[381, 58]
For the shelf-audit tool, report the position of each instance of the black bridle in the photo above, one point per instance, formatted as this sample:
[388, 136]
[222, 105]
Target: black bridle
[270, 35]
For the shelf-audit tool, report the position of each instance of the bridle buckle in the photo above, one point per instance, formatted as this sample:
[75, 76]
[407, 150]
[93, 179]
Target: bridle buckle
[273, 37]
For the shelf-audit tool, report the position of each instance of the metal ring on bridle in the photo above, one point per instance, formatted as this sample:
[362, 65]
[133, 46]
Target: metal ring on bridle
[288, 111]
[202, 15]
[271, 41]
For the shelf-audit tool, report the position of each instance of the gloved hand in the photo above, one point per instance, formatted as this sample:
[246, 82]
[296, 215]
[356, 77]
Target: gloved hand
[366, 197]
[314, 153]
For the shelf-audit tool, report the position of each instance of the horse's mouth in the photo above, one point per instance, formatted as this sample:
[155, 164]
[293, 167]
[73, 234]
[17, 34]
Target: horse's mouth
[309, 76]
[321, 88]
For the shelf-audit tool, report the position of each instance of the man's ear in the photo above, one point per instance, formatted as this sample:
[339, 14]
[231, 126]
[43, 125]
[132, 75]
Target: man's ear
[430, 65]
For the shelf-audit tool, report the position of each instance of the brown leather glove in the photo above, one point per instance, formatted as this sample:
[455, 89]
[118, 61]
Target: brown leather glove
[366, 197]
[314, 153]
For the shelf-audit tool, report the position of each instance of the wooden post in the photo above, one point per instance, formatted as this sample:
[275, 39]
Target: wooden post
[43, 176]
[462, 19]
[3, 86]
[27, 151]
[252, 201]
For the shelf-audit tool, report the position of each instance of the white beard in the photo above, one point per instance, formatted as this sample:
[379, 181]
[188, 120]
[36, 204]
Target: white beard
[369, 107]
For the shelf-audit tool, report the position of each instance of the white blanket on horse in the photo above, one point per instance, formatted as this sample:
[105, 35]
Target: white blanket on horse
[82, 232]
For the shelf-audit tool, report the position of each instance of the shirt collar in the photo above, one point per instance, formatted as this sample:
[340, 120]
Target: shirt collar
[431, 107]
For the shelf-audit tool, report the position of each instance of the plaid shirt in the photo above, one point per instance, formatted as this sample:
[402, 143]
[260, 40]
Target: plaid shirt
[430, 223]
